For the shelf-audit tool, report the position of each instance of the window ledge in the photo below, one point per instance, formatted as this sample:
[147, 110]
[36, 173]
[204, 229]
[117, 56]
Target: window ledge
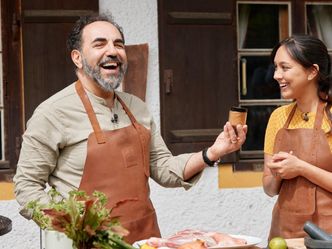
[6, 174]
[255, 165]
[4, 164]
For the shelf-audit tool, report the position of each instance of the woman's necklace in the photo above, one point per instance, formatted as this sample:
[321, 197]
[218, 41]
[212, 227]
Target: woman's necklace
[304, 116]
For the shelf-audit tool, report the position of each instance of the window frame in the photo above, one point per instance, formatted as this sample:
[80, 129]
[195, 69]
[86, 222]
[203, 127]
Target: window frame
[12, 120]
[306, 3]
[254, 160]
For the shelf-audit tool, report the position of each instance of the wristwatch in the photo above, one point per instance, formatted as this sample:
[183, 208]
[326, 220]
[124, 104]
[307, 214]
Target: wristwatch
[206, 159]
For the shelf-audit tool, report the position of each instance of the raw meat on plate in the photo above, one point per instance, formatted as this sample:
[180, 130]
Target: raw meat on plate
[210, 239]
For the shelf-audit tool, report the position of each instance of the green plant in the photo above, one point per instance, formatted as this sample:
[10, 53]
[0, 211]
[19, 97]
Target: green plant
[84, 219]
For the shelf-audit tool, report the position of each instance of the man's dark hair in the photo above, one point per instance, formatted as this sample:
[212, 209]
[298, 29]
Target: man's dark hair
[74, 40]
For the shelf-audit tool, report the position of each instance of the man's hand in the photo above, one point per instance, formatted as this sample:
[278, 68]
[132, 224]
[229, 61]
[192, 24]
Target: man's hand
[228, 141]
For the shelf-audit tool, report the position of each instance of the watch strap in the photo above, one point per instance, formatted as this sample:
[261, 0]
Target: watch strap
[206, 159]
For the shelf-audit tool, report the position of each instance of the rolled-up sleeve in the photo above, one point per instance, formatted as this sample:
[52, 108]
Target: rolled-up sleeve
[166, 169]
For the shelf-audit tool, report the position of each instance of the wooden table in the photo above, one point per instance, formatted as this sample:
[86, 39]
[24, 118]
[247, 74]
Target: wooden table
[5, 225]
[296, 243]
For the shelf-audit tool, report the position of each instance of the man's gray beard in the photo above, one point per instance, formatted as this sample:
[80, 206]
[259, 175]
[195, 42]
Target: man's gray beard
[109, 84]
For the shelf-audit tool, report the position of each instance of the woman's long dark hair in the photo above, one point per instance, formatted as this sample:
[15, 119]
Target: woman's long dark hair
[307, 51]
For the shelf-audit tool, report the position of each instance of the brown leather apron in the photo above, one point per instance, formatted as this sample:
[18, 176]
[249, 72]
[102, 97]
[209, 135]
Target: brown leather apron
[299, 199]
[117, 164]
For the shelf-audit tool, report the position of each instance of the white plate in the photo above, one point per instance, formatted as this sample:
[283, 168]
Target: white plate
[139, 243]
[251, 241]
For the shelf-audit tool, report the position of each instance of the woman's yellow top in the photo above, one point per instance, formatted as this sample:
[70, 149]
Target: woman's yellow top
[279, 117]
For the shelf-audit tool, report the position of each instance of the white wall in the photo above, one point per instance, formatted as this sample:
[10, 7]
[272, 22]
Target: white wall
[237, 211]
[140, 24]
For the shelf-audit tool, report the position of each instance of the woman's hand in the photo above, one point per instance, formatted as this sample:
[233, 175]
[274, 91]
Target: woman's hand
[285, 165]
[228, 141]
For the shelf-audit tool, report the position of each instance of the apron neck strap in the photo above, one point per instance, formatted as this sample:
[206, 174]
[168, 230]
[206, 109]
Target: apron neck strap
[317, 129]
[91, 114]
[128, 112]
[318, 119]
[290, 116]
[319, 115]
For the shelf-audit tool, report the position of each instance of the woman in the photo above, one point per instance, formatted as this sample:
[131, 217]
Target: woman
[298, 141]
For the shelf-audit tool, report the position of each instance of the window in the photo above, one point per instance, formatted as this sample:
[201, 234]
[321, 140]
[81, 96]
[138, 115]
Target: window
[319, 22]
[260, 26]
[1, 111]
[17, 18]
[10, 89]
[2, 154]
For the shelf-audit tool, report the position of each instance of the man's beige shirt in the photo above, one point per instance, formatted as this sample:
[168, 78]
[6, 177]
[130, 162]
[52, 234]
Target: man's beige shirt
[55, 145]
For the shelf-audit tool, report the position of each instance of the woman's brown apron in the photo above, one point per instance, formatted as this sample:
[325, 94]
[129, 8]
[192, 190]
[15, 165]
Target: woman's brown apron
[117, 164]
[299, 199]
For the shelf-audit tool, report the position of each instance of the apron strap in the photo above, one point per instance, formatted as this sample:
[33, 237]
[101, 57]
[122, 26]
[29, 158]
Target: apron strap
[139, 131]
[128, 112]
[290, 116]
[91, 114]
[317, 128]
[319, 115]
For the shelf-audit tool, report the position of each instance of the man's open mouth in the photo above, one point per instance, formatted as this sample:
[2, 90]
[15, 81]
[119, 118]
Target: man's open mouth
[110, 65]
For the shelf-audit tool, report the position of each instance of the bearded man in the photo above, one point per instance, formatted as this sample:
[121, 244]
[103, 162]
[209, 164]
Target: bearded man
[91, 137]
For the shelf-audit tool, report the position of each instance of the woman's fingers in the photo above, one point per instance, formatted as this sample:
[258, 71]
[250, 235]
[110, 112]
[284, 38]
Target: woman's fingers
[281, 156]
